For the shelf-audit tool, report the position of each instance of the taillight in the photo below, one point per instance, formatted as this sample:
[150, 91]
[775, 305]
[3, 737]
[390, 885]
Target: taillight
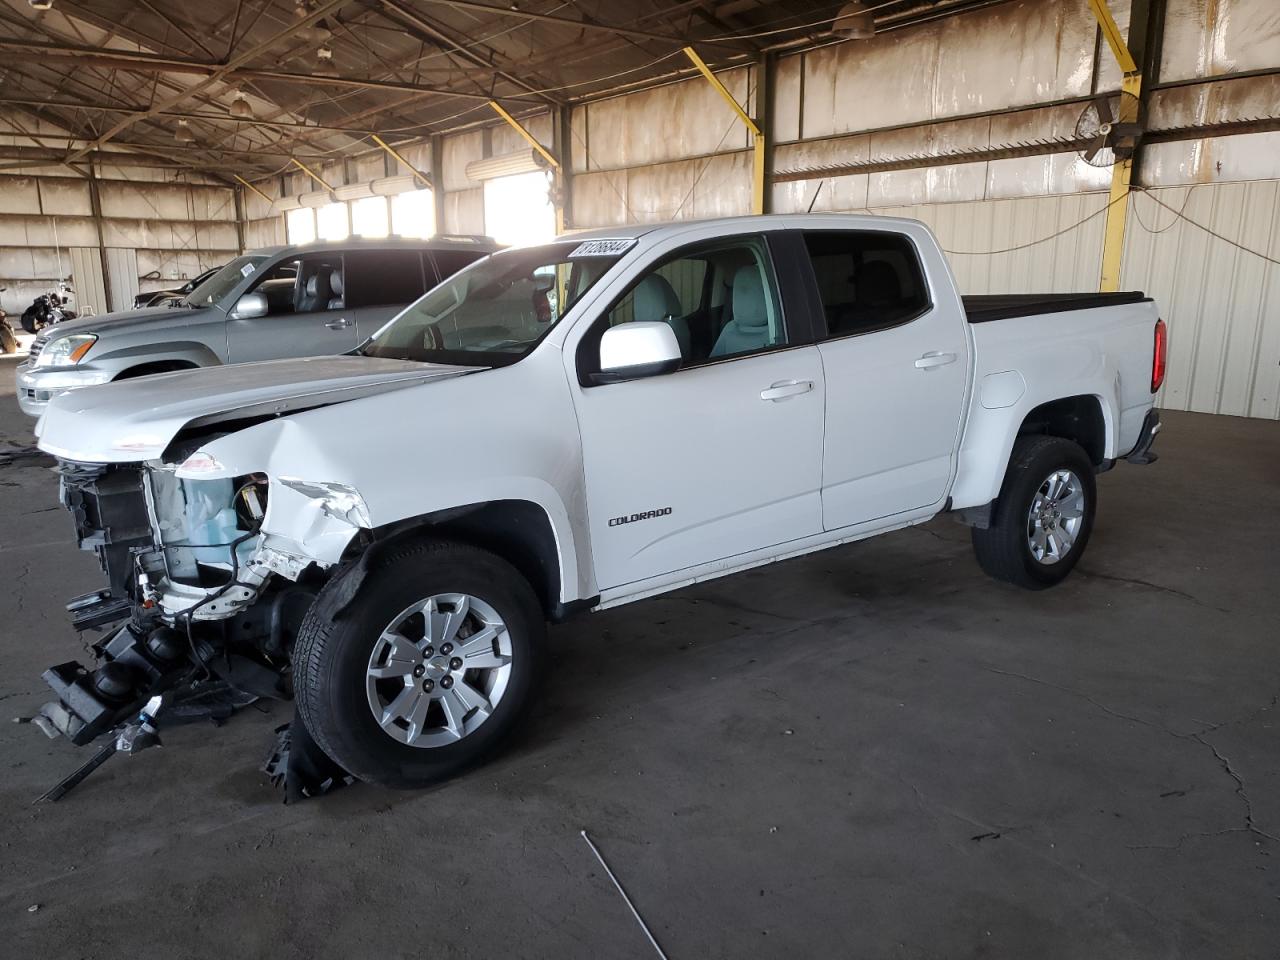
[1158, 356]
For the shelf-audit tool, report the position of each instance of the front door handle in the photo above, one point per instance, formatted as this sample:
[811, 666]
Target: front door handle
[340, 324]
[934, 359]
[785, 389]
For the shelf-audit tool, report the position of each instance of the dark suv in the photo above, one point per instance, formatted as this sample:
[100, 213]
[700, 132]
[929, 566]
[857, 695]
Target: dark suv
[315, 299]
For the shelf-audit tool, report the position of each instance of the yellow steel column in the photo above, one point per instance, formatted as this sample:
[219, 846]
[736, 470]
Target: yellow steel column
[758, 145]
[1118, 201]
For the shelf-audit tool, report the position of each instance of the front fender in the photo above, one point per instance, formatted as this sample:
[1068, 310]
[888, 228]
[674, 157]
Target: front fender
[399, 476]
[194, 352]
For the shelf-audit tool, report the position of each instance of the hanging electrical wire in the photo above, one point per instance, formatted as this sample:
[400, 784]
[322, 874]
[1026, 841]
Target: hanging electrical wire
[1033, 243]
[1200, 226]
[1142, 223]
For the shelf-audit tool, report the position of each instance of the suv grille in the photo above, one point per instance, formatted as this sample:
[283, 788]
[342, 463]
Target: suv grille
[36, 345]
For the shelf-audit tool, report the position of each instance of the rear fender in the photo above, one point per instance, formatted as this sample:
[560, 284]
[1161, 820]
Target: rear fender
[991, 433]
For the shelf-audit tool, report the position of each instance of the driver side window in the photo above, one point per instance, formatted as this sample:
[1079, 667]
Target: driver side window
[720, 299]
[309, 284]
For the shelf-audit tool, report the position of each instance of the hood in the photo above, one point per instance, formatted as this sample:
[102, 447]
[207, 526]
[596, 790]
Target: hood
[134, 420]
[122, 320]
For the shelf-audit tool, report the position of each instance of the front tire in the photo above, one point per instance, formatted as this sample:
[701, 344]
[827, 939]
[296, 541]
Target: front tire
[427, 670]
[1043, 517]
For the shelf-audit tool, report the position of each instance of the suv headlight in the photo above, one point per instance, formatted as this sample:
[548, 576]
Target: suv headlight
[65, 351]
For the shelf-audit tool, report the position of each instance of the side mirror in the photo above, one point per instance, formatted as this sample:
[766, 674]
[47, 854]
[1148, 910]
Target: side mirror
[638, 349]
[249, 306]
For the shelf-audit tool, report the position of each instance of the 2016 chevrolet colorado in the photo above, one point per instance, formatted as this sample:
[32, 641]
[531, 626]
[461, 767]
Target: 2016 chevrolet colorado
[570, 427]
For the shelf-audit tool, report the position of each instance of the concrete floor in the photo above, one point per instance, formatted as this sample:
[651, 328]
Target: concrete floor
[871, 752]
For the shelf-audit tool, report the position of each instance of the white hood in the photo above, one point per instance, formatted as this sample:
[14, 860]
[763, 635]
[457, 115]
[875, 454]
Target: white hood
[135, 420]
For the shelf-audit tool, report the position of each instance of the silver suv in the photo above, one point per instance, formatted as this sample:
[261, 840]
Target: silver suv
[297, 301]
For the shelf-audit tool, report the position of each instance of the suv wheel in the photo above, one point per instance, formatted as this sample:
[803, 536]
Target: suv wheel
[1044, 515]
[427, 670]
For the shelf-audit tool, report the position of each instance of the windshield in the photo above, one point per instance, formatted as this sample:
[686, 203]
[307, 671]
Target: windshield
[224, 281]
[496, 310]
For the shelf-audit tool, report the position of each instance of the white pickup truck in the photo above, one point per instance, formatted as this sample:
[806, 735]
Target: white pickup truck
[570, 427]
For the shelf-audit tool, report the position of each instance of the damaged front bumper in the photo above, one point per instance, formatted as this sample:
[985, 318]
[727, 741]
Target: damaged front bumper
[203, 599]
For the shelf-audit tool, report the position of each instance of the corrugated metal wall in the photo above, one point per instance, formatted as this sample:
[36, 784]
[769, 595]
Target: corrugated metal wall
[86, 268]
[122, 272]
[1222, 303]
[177, 229]
[986, 80]
[1021, 224]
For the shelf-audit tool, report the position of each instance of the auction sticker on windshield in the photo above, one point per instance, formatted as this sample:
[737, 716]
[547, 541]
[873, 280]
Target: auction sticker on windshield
[602, 248]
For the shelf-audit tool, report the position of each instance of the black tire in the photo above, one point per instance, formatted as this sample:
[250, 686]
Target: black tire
[1002, 550]
[331, 660]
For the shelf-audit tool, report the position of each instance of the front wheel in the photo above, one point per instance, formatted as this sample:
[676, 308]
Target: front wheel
[1044, 515]
[427, 670]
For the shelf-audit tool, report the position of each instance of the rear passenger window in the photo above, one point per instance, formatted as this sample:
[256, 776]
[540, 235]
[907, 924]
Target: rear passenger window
[867, 280]
[382, 278]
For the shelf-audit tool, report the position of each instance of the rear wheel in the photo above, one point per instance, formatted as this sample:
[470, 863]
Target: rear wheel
[427, 670]
[1043, 517]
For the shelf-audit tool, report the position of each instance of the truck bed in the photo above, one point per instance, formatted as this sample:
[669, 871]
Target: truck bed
[984, 308]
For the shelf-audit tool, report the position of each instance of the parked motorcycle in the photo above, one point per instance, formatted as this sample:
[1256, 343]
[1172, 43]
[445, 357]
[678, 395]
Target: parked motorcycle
[8, 339]
[48, 308]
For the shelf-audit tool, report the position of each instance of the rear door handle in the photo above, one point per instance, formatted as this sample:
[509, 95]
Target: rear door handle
[934, 359]
[785, 389]
[340, 324]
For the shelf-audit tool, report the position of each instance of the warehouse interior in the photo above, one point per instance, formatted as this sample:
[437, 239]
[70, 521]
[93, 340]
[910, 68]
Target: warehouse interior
[942, 767]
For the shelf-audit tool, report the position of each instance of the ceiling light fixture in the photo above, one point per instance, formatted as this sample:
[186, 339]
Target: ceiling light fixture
[324, 53]
[854, 21]
[183, 134]
[240, 107]
[41, 5]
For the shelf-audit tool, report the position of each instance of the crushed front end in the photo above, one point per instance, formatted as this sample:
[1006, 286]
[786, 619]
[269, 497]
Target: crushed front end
[199, 612]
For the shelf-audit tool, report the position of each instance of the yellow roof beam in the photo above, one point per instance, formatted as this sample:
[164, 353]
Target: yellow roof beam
[426, 181]
[519, 128]
[311, 173]
[758, 146]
